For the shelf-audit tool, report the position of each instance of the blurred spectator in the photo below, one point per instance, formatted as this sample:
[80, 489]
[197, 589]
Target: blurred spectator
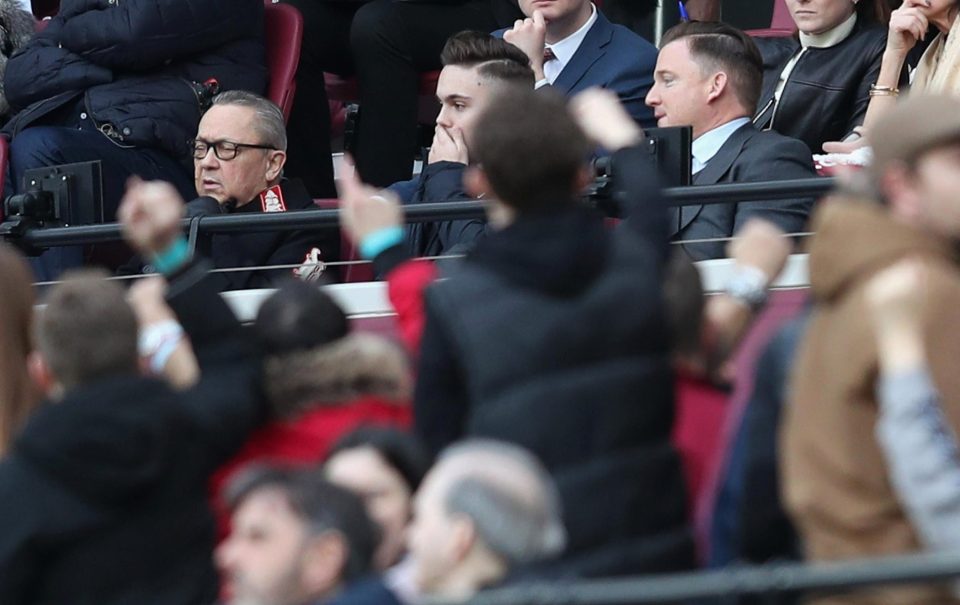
[18, 393]
[103, 495]
[562, 377]
[387, 44]
[321, 381]
[297, 539]
[126, 83]
[385, 467]
[476, 67]
[239, 154]
[486, 509]
[816, 86]
[705, 332]
[748, 522]
[18, 27]
[836, 482]
[918, 441]
[708, 77]
[572, 47]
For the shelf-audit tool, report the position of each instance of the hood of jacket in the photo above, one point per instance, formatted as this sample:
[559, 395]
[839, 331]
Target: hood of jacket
[560, 252]
[855, 238]
[108, 441]
[357, 365]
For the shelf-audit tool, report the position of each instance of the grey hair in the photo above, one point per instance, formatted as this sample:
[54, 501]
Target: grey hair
[517, 517]
[269, 122]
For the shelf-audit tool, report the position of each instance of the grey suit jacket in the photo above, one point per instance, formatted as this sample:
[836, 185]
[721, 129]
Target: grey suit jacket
[748, 155]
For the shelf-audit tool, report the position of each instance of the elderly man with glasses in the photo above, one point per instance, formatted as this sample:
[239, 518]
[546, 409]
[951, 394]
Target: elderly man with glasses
[238, 158]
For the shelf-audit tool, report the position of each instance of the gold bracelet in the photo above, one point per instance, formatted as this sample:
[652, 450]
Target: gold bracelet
[884, 91]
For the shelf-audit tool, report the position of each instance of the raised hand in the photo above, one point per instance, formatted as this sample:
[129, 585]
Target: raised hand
[365, 209]
[602, 117]
[530, 36]
[149, 215]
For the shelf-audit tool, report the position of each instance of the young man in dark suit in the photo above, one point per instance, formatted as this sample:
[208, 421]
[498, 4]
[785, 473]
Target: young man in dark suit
[572, 46]
[708, 76]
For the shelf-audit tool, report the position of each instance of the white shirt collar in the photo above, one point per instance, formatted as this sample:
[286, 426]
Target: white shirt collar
[831, 37]
[709, 143]
[566, 48]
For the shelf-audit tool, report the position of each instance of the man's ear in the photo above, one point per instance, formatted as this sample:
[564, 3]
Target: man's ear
[324, 561]
[718, 84]
[41, 374]
[275, 163]
[897, 186]
[476, 183]
[463, 536]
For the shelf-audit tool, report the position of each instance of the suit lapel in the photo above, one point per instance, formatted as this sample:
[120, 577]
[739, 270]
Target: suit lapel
[591, 50]
[714, 172]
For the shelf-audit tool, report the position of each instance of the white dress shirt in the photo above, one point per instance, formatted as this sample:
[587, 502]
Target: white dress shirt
[709, 143]
[565, 49]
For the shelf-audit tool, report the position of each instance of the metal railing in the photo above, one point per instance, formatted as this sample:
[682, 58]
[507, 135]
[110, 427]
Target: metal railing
[417, 213]
[768, 581]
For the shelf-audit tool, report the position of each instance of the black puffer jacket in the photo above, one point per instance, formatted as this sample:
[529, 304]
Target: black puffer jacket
[133, 62]
[828, 90]
[550, 335]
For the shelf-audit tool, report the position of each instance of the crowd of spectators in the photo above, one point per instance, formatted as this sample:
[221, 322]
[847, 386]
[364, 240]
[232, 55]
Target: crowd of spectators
[527, 415]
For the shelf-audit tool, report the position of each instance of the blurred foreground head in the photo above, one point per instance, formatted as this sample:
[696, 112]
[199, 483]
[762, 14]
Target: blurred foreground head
[529, 151]
[916, 165]
[485, 509]
[86, 332]
[296, 538]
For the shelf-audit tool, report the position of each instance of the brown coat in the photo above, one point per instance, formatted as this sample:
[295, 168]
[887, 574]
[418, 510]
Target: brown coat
[835, 481]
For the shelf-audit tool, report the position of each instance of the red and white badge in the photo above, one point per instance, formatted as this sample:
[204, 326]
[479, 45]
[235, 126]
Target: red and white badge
[271, 200]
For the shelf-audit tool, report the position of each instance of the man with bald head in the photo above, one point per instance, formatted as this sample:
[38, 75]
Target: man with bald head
[484, 510]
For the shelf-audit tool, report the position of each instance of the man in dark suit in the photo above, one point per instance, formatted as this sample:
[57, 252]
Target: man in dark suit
[572, 46]
[708, 76]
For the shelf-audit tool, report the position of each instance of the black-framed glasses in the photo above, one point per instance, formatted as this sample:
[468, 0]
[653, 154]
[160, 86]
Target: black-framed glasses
[224, 150]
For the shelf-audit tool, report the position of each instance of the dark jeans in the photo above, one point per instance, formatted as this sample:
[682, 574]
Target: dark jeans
[41, 146]
[386, 44]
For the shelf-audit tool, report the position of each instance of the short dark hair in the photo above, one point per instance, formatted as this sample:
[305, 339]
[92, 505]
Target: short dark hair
[494, 58]
[322, 505]
[530, 149]
[87, 331]
[401, 450]
[297, 317]
[722, 47]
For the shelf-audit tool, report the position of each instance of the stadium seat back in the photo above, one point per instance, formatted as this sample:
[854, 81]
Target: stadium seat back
[283, 38]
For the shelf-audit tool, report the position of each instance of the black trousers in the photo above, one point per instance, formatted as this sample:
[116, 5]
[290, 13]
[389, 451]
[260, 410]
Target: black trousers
[386, 44]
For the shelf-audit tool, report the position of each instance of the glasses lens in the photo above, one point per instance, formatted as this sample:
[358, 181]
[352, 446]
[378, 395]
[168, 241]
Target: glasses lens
[225, 150]
[200, 150]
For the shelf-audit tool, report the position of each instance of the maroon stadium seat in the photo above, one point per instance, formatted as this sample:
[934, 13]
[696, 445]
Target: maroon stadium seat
[781, 25]
[283, 37]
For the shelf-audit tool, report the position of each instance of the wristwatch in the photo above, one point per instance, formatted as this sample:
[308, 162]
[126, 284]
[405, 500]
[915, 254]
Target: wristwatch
[747, 284]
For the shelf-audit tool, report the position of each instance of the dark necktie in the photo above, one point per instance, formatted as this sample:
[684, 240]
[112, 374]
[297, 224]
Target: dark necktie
[548, 54]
